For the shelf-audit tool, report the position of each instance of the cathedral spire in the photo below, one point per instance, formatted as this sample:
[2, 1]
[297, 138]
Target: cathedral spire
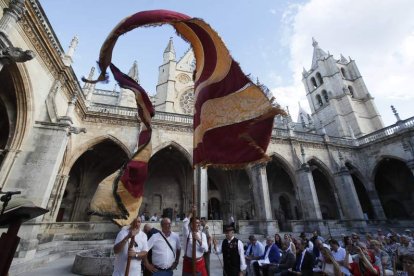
[133, 72]
[169, 52]
[68, 57]
[318, 53]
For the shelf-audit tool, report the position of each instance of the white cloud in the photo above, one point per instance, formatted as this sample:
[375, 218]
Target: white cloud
[379, 35]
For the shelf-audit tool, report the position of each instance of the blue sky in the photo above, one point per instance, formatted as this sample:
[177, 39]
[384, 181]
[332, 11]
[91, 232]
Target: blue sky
[270, 39]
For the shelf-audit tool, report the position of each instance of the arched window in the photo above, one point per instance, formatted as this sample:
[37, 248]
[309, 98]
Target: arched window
[319, 100]
[313, 81]
[325, 95]
[343, 73]
[319, 77]
[351, 90]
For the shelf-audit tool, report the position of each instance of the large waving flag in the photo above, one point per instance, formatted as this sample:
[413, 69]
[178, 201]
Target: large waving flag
[233, 117]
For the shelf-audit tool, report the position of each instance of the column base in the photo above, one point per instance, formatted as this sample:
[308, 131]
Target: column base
[264, 227]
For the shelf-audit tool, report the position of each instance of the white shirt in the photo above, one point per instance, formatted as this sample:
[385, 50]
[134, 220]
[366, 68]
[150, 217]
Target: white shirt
[121, 257]
[188, 243]
[240, 248]
[340, 256]
[154, 218]
[162, 255]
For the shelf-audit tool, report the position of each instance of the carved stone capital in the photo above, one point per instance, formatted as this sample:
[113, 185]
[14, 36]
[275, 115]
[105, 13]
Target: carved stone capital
[16, 9]
[15, 54]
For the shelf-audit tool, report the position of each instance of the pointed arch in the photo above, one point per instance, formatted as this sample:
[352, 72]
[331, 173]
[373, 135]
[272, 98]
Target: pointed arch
[169, 181]
[393, 182]
[361, 189]
[313, 83]
[325, 96]
[325, 189]
[283, 190]
[102, 158]
[319, 100]
[175, 145]
[78, 151]
[319, 78]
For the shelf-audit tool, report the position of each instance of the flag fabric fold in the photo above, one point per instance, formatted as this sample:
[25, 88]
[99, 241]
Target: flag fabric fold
[233, 117]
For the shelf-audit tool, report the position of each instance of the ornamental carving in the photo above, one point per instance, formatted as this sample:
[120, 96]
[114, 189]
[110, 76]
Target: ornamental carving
[183, 78]
[187, 102]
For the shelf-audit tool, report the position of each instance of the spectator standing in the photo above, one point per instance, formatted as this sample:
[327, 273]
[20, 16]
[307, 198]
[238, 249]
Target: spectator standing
[166, 249]
[136, 253]
[233, 254]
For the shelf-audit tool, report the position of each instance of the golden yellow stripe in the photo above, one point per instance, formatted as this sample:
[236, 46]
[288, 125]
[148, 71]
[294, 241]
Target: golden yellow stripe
[131, 203]
[189, 35]
[145, 154]
[246, 104]
[223, 57]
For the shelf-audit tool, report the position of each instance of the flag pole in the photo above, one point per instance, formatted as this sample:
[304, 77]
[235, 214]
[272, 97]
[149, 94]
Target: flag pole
[131, 245]
[193, 257]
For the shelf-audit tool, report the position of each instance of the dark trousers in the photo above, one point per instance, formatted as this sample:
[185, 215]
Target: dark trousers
[207, 261]
[257, 268]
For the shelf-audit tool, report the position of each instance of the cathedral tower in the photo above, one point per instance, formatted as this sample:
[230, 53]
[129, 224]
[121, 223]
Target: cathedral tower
[164, 100]
[338, 98]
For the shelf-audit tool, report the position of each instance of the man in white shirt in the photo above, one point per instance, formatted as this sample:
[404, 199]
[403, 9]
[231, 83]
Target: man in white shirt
[166, 249]
[154, 218]
[339, 255]
[191, 231]
[123, 249]
[233, 254]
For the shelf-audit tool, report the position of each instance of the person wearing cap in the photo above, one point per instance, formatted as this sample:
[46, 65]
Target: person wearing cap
[233, 254]
[253, 252]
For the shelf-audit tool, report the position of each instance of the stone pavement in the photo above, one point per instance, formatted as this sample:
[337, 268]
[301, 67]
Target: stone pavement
[62, 267]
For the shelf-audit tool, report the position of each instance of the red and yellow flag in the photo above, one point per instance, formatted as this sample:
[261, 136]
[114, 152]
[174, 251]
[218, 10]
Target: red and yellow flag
[233, 117]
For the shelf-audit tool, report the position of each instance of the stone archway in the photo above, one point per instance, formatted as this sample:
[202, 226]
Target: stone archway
[168, 186]
[233, 188]
[94, 165]
[324, 190]
[15, 112]
[282, 192]
[394, 183]
[363, 197]
[214, 210]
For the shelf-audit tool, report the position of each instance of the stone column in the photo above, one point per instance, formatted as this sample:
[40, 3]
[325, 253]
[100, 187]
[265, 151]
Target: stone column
[203, 191]
[34, 174]
[8, 53]
[348, 196]
[376, 203]
[56, 197]
[307, 194]
[11, 15]
[410, 165]
[261, 198]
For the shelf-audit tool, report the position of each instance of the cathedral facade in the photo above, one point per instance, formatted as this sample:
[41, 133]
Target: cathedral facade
[338, 165]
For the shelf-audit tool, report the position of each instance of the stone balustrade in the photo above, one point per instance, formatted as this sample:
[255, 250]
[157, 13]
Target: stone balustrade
[278, 133]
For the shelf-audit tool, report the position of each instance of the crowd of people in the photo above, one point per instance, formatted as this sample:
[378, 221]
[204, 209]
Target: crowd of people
[159, 252]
